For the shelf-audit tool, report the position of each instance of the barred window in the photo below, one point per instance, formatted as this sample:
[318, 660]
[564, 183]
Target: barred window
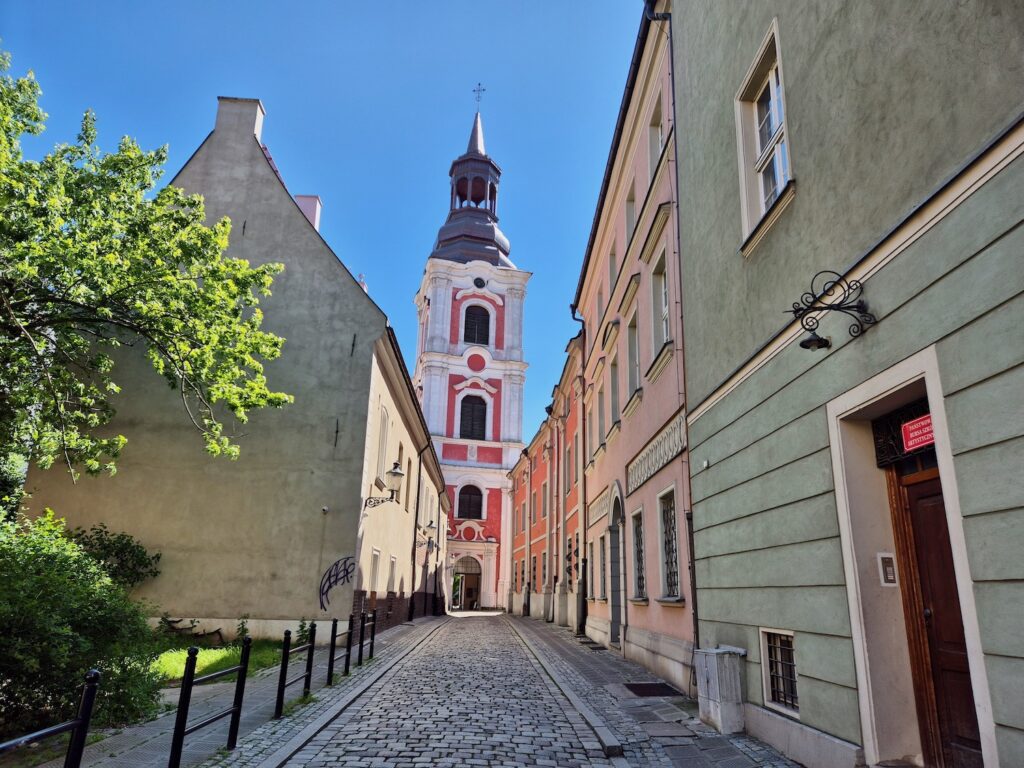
[781, 673]
[473, 421]
[478, 325]
[639, 575]
[670, 544]
[604, 568]
[533, 573]
[544, 568]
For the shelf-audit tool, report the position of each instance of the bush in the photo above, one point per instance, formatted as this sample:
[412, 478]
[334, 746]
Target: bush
[61, 616]
[124, 559]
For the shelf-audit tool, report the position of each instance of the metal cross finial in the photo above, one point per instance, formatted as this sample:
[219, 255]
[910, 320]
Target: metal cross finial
[479, 91]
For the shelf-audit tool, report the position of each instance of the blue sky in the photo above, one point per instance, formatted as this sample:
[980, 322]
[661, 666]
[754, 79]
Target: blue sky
[367, 104]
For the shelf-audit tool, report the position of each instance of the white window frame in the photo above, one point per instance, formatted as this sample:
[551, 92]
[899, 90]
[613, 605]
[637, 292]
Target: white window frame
[488, 399]
[457, 512]
[766, 686]
[661, 326]
[752, 157]
[655, 136]
[492, 324]
[374, 569]
[633, 354]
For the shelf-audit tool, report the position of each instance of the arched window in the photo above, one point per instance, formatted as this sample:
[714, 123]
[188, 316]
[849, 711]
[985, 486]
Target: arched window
[473, 422]
[478, 325]
[471, 503]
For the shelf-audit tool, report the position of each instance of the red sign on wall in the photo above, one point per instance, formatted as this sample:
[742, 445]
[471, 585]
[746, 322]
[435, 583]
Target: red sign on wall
[918, 433]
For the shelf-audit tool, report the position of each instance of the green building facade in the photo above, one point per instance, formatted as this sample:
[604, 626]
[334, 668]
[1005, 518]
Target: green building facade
[857, 507]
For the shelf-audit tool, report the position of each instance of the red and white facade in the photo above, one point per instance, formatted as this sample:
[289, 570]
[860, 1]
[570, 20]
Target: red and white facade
[470, 374]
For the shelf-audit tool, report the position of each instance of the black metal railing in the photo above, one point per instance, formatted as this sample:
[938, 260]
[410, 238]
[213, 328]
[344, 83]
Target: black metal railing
[364, 620]
[306, 676]
[78, 727]
[332, 651]
[181, 726]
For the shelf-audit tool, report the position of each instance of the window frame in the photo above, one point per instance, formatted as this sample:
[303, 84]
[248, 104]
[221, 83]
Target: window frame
[462, 416]
[661, 325]
[639, 556]
[492, 323]
[766, 689]
[604, 568]
[615, 414]
[633, 380]
[670, 491]
[458, 502]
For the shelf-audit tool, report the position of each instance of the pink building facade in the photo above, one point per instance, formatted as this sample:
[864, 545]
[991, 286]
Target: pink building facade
[470, 373]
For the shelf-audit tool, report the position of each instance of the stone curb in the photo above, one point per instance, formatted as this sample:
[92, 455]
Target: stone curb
[284, 753]
[605, 735]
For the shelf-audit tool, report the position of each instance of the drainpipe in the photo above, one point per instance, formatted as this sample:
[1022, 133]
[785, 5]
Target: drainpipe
[415, 532]
[584, 527]
[667, 17]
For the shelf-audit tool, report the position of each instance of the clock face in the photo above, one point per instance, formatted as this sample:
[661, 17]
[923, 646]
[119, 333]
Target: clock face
[479, 282]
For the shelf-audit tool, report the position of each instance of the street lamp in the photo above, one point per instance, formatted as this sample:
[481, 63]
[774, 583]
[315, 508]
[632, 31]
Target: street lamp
[392, 482]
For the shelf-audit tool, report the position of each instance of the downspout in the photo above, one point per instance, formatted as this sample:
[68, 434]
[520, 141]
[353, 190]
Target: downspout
[581, 588]
[553, 475]
[415, 533]
[667, 17]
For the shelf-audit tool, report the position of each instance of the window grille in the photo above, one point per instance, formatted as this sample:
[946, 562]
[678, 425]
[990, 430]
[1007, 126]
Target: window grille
[471, 503]
[670, 544]
[543, 568]
[781, 670]
[478, 326]
[640, 576]
[604, 567]
[473, 422]
[533, 573]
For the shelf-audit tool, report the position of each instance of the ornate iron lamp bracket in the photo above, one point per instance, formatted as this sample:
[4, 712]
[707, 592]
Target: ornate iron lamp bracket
[831, 292]
[376, 501]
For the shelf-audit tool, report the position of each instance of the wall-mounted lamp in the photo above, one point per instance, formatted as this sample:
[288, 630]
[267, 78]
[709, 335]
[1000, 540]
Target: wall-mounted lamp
[392, 483]
[830, 292]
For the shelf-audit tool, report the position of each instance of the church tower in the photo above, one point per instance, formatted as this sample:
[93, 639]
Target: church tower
[470, 373]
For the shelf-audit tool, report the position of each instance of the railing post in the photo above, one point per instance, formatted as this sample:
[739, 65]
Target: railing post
[308, 683]
[330, 651]
[348, 642]
[76, 746]
[282, 679]
[362, 632]
[373, 633]
[236, 706]
[184, 699]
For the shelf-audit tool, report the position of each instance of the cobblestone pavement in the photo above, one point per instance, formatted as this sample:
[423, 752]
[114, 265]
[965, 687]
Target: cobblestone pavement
[661, 730]
[471, 695]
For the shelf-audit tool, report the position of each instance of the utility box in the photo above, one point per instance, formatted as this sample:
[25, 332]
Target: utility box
[719, 687]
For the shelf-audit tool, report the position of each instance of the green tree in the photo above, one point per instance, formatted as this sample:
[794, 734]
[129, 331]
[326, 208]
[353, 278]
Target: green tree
[92, 259]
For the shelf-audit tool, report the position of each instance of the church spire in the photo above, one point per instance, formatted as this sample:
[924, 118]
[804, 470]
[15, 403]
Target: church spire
[476, 138]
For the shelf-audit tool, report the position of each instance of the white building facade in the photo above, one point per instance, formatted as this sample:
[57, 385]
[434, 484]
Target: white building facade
[470, 374]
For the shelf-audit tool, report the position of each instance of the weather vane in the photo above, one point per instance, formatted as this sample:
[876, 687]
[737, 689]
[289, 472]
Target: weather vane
[479, 91]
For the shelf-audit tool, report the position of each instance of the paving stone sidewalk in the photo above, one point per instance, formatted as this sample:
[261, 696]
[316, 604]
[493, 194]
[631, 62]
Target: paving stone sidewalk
[661, 730]
[147, 745]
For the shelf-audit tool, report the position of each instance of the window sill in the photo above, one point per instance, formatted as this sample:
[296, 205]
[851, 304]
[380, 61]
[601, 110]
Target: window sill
[671, 602]
[660, 361]
[613, 431]
[633, 403]
[639, 601]
[601, 599]
[765, 223]
[792, 714]
[599, 452]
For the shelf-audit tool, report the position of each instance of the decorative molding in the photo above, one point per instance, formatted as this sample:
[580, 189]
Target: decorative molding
[633, 403]
[599, 507]
[665, 446]
[613, 430]
[482, 292]
[654, 233]
[771, 215]
[630, 293]
[660, 361]
[475, 381]
[611, 333]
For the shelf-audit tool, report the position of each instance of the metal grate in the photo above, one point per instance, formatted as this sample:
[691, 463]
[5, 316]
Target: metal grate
[639, 577]
[670, 544]
[652, 689]
[782, 670]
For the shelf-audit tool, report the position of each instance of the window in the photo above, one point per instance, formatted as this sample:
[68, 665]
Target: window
[639, 568]
[374, 569]
[600, 306]
[669, 544]
[600, 414]
[590, 568]
[473, 418]
[382, 444]
[633, 353]
[471, 503]
[631, 213]
[576, 453]
[660, 304]
[391, 574]
[522, 517]
[613, 375]
[590, 433]
[567, 472]
[478, 325]
[655, 137]
[778, 662]
[544, 500]
[544, 568]
[533, 573]
[533, 509]
[576, 552]
[604, 567]
[613, 271]
[761, 123]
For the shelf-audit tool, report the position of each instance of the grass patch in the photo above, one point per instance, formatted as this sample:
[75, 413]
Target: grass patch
[170, 665]
[298, 703]
[44, 751]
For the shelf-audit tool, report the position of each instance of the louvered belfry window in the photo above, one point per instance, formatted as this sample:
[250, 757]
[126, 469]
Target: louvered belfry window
[473, 423]
[478, 326]
[471, 503]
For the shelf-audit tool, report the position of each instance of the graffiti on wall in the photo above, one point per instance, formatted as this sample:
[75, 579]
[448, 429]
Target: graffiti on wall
[339, 573]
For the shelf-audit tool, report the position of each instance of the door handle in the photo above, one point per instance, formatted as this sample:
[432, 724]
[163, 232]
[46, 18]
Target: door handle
[927, 614]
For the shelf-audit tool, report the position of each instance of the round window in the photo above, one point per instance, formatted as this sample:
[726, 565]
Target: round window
[479, 282]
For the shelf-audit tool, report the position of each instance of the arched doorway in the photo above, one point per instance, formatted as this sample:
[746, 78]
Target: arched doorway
[615, 552]
[466, 584]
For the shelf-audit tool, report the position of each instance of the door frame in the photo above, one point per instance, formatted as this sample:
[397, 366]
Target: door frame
[920, 367]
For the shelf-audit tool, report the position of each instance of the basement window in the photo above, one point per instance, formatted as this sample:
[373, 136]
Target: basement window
[778, 664]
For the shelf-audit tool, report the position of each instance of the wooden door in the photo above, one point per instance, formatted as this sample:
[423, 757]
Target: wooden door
[944, 661]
